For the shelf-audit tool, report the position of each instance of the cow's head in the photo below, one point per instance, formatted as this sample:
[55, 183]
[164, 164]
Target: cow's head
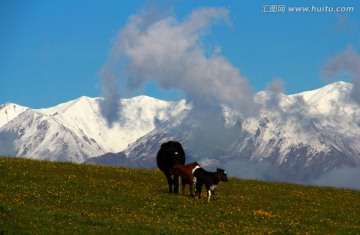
[176, 152]
[221, 174]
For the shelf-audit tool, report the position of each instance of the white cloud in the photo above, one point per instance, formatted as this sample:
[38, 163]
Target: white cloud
[171, 53]
[342, 178]
[349, 62]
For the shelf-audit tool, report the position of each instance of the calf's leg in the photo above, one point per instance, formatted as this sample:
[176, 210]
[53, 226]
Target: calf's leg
[191, 186]
[198, 189]
[212, 189]
[208, 193]
[183, 185]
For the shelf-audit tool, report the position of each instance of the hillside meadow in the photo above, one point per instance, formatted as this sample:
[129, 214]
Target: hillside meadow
[39, 197]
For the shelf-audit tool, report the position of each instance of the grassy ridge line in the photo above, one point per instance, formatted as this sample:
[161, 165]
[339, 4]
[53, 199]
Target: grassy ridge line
[64, 198]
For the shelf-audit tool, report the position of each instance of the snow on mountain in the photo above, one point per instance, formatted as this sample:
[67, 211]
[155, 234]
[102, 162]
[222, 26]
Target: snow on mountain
[323, 100]
[76, 130]
[37, 136]
[9, 111]
[309, 134]
[139, 115]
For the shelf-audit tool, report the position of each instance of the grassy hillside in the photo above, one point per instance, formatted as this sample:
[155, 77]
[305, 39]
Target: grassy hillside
[38, 197]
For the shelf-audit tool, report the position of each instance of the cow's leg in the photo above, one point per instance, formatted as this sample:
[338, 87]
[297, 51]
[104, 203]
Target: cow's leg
[169, 180]
[198, 189]
[191, 186]
[183, 186]
[176, 183]
[194, 185]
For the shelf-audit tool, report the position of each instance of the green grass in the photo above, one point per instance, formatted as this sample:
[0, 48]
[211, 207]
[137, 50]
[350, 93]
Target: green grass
[38, 197]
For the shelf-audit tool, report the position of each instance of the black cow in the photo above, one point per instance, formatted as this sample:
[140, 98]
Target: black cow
[210, 179]
[170, 153]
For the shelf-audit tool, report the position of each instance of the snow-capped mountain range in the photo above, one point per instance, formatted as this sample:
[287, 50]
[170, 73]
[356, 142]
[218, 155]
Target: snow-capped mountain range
[76, 130]
[301, 138]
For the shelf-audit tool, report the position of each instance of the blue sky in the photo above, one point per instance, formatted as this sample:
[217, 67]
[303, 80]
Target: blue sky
[53, 51]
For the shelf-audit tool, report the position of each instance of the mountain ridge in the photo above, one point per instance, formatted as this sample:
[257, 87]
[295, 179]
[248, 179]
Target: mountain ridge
[299, 138]
[295, 143]
[82, 122]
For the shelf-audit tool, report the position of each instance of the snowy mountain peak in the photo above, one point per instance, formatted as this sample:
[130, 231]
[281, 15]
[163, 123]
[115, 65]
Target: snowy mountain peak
[79, 123]
[9, 111]
[70, 106]
[323, 99]
[331, 91]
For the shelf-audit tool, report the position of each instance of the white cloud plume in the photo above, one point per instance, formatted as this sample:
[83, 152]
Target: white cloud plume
[342, 177]
[110, 105]
[346, 62]
[171, 53]
[275, 90]
[249, 170]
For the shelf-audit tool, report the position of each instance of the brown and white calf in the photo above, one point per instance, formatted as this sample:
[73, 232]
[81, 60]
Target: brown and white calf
[210, 179]
[186, 173]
